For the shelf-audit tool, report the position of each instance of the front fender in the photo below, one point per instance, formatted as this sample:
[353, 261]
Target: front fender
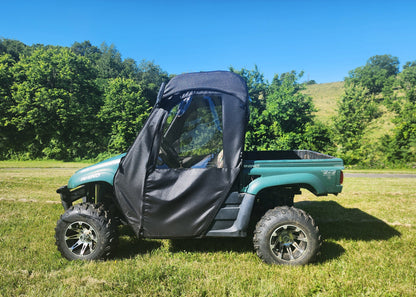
[101, 172]
[264, 182]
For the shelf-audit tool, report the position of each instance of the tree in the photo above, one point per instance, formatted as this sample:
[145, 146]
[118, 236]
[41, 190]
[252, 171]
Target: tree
[355, 110]
[290, 108]
[6, 81]
[310, 82]
[150, 76]
[129, 69]
[280, 124]
[407, 80]
[56, 101]
[86, 49]
[376, 74]
[14, 48]
[123, 114]
[400, 147]
[109, 65]
[257, 86]
[288, 111]
[257, 89]
[387, 62]
[7, 131]
[317, 137]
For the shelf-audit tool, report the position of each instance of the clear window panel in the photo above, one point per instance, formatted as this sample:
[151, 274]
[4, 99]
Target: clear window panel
[193, 134]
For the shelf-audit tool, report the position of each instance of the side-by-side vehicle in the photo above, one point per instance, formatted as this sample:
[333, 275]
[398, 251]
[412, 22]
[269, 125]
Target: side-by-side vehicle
[187, 176]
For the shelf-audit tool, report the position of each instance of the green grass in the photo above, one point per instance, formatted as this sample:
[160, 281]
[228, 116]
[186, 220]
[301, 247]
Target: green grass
[325, 97]
[369, 249]
[390, 170]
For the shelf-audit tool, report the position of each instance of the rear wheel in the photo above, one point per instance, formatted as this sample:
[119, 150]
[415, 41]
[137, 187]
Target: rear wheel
[286, 235]
[86, 232]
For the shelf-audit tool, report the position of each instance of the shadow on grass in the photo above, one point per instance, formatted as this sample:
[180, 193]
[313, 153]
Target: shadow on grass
[335, 222]
[130, 245]
[225, 244]
[329, 251]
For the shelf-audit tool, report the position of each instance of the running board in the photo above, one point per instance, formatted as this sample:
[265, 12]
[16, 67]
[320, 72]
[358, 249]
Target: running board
[233, 218]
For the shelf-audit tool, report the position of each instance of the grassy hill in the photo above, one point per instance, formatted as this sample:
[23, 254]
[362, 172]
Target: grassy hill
[325, 98]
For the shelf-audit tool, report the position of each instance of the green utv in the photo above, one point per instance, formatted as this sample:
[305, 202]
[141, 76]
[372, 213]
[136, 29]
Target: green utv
[186, 176]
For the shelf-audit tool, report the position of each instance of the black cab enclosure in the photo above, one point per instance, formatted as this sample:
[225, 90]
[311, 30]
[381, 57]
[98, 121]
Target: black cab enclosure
[179, 170]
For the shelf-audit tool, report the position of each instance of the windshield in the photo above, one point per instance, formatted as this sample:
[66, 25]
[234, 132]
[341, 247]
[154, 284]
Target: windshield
[193, 134]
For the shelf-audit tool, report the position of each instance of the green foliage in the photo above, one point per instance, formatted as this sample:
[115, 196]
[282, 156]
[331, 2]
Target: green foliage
[256, 84]
[85, 101]
[257, 90]
[124, 112]
[7, 132]
[404, 138]
[405, 134]
[290, 107]
[150, 76]
[14, 48]
[311, 82]
[368, 88]
[400, 148]
[109, 64]
[86, 49]
[375, 74]
[286, 115]
[356, 109]
[407, 81]
[318, 137]
[281, 115]
[6, 81]
[55, 102]
[71, 103]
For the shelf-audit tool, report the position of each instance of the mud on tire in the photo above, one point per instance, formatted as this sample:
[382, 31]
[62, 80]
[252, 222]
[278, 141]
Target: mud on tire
[86, 232]
[286, 235]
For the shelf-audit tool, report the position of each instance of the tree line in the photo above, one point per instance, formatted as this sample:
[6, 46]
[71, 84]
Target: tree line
[72, 102]
[85, 101]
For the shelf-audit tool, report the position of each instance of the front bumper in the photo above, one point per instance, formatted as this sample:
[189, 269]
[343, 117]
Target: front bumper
[69, 196]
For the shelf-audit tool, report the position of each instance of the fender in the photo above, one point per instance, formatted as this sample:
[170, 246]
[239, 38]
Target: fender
[101, 172]
[264, 182]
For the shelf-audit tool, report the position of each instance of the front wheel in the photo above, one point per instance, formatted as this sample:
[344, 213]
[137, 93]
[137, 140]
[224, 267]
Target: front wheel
[286, 235]
[85, 232]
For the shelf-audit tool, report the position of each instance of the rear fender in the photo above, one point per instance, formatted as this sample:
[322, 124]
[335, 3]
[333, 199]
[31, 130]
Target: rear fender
[308, 180]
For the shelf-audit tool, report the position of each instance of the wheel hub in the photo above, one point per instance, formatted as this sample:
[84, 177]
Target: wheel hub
[80, 238]
[286, 238]
[86, 236]
[288, 242]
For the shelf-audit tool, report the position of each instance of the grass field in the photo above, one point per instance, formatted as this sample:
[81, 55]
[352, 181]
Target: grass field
[369, 248]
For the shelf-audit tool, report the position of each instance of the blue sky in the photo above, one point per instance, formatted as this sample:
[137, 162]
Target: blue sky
[325, 39]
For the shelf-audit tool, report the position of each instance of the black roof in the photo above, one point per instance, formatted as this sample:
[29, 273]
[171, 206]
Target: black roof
[220, 81]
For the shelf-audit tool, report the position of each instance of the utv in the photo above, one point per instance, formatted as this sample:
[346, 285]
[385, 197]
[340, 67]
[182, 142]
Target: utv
[186, 176]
